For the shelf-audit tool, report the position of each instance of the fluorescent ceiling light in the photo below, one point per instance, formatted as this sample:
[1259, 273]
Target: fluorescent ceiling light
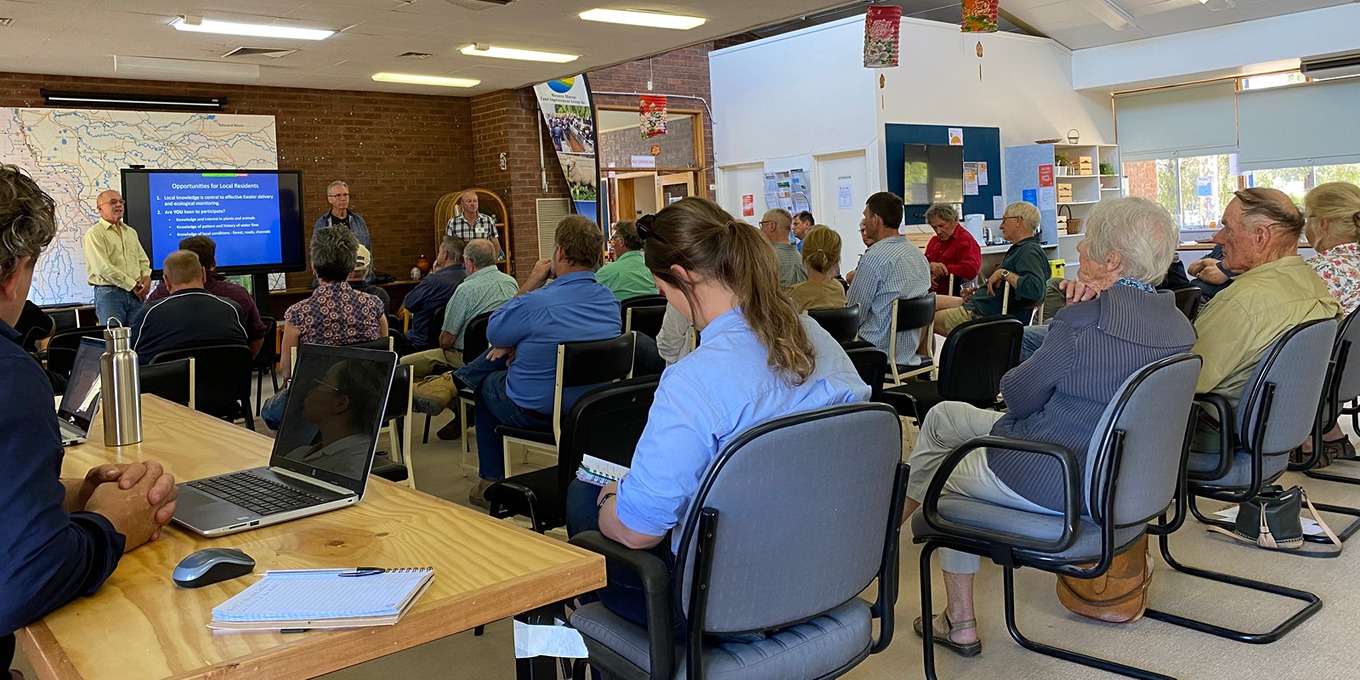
[648, 19]
[200, 25]
[1111, 14]
[158, 67]
[481, 50]
[414, 79]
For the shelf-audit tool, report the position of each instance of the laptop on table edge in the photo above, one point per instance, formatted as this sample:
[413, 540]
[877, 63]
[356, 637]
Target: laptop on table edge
[80, 402]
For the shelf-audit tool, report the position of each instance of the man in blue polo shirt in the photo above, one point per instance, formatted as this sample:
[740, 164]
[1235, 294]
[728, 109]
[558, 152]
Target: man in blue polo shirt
[61, 538]
[524, 333]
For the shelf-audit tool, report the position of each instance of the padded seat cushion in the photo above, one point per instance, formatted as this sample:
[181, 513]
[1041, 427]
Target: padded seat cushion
[1239, 475]
[540, 436]
[913, 399]
[813, 649]
[975, 513]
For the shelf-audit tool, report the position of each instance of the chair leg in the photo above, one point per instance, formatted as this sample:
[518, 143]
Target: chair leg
[259, 390]
[1279, 631]
[927, 613]
[426, 438]
[1332, 476]
[1008, 575]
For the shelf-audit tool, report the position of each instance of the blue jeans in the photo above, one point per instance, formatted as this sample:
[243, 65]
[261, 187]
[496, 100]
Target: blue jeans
[114, 302]
[1034, 336]
[494, 407]
[271, 411]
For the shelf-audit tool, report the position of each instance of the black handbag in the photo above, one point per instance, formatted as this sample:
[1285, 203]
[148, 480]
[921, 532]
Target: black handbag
[1272, 519]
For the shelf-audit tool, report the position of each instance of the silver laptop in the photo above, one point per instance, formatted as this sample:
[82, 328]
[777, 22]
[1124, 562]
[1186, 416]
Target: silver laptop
[80, 402]
[322, 455]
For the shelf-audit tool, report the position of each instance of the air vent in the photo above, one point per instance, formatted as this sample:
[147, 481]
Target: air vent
[1337, 65]
[415, 55]
[271, 52]
[478, 4]
[5, 21]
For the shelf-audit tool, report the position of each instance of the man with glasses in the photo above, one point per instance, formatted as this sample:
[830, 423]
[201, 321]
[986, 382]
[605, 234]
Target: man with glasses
[337, 194]
[115, 263]
[1024, 269]
[775, 226]
[627, 276]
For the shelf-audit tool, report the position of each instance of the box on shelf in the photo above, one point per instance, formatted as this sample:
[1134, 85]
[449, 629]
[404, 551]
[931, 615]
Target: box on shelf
[1056, 269]
[1064, 193]
[1083, 166]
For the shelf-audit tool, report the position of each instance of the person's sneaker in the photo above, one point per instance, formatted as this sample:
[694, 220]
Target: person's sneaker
[477, 496]
[430, 407]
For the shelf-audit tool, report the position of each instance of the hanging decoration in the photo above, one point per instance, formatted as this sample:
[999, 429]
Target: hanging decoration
[652, 111]
[979, 53]
[980, 16]
[882, 26]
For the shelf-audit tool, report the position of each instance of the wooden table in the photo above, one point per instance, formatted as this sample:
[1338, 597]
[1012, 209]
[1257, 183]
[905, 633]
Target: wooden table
[140, 625]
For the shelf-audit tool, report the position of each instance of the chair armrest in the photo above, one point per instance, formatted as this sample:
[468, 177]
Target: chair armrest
[656, 588]
[497, 497]
[1071, 498]
[1226, 430]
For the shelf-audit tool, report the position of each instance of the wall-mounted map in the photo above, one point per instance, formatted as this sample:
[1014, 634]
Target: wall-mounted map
[75, 154]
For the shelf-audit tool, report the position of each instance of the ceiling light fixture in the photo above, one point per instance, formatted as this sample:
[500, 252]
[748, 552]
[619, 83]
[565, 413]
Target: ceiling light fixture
[109, 100]
[201, 25]
[1109, 13]
[414, 79]
[483, 50]
[1217, 5]
[639, 18]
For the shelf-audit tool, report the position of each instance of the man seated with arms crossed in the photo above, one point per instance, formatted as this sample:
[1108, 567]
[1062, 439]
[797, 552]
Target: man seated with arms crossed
[627, 276]
[485, 288]
[1024, 268]
[218, 285]
[430, 296]
[61, 538]
[467, 223]
[1274, 290]
[892, 268]
[189, 317]
[524, 333]
[951, 251]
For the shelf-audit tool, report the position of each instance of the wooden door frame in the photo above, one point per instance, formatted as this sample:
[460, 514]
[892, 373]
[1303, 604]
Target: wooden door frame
[700, 153]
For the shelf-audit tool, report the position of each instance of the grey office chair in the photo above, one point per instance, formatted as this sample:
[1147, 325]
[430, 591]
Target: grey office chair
[973, 359]
[1345, 387]
[1130, 475]
[764, 547]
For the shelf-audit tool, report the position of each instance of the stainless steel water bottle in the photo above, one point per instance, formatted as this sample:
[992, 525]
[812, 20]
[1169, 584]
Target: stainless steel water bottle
[119, 389]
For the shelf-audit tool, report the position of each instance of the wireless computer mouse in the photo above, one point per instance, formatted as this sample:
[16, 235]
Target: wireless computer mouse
[212, 565]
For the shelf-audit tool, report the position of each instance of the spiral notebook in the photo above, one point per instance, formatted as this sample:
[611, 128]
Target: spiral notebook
[323, 598]
[599, 472]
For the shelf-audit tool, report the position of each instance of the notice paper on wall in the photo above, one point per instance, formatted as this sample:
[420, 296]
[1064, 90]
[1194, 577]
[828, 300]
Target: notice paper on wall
[970, 181]
[982, 173]
[748, 205]
[956, 136]
[1030, 196]
[998, 207]
[845, 198]
[1047, 198]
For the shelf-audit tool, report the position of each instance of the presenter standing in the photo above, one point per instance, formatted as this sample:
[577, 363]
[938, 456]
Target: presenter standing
[337, 194]
[117, 266]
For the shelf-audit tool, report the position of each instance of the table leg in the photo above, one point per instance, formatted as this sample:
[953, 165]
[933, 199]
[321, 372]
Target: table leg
[539, 667]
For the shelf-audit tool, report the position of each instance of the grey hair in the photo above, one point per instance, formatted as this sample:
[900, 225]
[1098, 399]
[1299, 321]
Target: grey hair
[336, 183]
[1142, 232]
[334, 250]
[1027, 214]
[942, 211]
[27, 219]
[481, 253]
[454, 247]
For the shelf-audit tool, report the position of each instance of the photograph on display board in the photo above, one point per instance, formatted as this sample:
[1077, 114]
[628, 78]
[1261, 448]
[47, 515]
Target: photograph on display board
[581, 176]
[572, 129]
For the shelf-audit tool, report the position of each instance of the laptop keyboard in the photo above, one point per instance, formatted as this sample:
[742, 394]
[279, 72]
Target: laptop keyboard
[259, 495]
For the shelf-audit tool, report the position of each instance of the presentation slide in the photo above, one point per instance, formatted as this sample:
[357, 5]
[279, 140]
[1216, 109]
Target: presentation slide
[238, 210]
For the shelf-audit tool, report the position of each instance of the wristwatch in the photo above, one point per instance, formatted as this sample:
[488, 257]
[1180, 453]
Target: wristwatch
[1004, 274]
[604, 500]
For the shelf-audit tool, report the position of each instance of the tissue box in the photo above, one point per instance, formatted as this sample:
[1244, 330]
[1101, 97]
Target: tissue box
[1083, 166]
[1064, 193]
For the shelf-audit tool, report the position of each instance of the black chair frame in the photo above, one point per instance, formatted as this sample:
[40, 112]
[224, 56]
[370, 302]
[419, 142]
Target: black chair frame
[662, 598]
[266, 361]
[1335, 406]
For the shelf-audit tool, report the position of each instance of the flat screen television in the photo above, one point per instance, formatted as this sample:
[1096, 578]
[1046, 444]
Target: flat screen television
[254, 216]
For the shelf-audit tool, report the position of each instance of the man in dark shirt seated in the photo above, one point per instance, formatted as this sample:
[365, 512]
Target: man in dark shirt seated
[218, 285]
[61, 538]
[426, 301]
[189, 317]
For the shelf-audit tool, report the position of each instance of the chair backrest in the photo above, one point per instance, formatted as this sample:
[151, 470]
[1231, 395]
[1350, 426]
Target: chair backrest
[591, 362]
[1281, 399]
[872, 365]
[605, 422]
[221, 377]
[474, 336]
[1140, 443]
[842, 323]
[269, 349]
[399, 397]
[912, 313]
[644, 319]
[65, 319]
[787, 548]
[1188, 301]
[61, 349]
[172, 380]
[640, 301]
[384, 342]
[1346, 369]
[975, 356]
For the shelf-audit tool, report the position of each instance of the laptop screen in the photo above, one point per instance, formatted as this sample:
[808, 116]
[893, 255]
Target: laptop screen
[334, 411]
[80, 401]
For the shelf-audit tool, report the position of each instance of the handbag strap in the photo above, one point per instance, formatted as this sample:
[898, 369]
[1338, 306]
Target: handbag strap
[1318, 518]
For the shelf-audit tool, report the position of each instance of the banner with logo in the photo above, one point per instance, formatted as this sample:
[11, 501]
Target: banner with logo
[570, 117]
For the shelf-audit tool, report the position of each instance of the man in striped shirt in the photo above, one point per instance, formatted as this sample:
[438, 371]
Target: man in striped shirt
[893, 268]
[470, 224]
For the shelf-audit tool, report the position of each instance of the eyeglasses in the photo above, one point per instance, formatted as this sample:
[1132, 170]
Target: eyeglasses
[339, 195]
[113, 201]
[318, 382]
[644, 229]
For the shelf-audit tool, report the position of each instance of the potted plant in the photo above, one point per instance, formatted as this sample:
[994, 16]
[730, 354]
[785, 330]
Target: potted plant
[1061, 161]
[1106, 168]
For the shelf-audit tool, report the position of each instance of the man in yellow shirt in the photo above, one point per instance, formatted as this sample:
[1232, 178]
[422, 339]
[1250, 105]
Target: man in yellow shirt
[118, 268]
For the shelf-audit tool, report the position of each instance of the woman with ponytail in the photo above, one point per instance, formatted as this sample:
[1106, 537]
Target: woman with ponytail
[821, 254]
[757, 360]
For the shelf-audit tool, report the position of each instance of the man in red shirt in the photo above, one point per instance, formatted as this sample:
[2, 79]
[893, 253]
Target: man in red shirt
[951, 251]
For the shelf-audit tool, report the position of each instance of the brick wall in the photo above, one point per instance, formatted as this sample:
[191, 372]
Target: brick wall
[399, 153]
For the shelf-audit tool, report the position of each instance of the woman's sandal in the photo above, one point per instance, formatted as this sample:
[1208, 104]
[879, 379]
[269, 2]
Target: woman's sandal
[969, 649]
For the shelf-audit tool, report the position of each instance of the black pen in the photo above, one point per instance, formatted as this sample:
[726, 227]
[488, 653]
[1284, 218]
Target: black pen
[286, 631]
[364, 571]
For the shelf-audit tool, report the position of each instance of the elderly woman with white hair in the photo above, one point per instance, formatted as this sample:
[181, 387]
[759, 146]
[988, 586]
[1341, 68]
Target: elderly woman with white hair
[1116, 324]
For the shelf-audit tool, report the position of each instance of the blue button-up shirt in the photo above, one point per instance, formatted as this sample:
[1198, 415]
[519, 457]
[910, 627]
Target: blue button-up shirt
[50, 556]
[892, 268]
[426, 302]
[572, 308]
[721, 389]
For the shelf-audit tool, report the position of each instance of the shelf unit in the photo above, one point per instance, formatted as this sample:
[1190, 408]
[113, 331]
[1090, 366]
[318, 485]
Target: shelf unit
[1087, 189]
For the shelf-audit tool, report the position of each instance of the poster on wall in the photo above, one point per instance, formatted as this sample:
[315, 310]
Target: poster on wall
[570, 118]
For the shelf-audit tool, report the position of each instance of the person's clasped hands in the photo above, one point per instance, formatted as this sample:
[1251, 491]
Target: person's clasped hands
[137, 498]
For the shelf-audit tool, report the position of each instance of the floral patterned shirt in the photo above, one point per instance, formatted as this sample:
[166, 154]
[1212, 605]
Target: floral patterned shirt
[336, 314]
[1339, 268]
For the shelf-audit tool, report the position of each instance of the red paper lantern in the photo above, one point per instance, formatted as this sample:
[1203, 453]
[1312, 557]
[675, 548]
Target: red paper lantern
[652, 112]
[980, 16]
[882, 42]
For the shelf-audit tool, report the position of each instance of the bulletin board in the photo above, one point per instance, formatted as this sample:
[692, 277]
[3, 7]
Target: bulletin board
[980, 145]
